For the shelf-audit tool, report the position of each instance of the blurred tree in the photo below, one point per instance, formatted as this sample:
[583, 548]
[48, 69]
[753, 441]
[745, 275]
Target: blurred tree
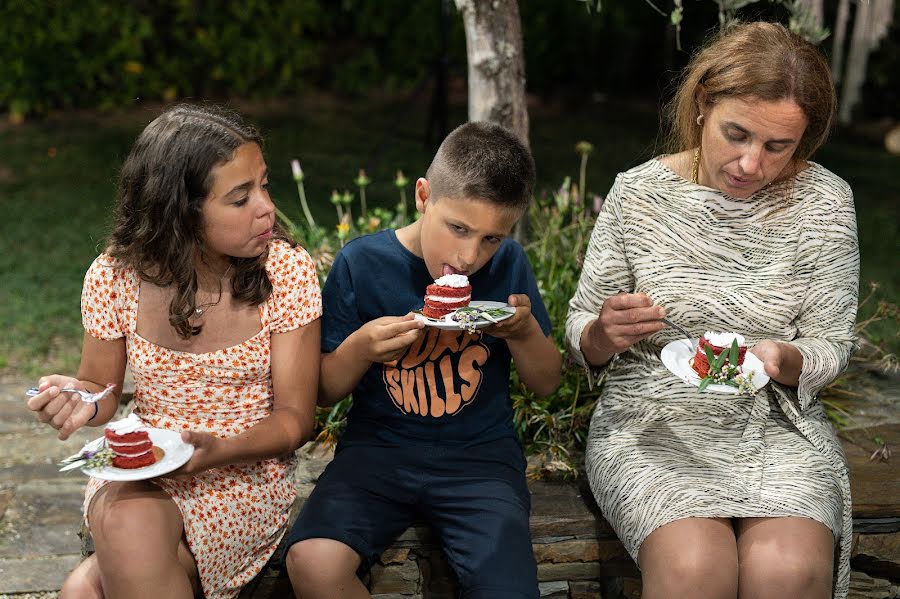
[496, 63]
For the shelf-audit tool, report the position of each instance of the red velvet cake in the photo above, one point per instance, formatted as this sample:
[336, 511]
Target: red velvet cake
[447, 294]
[717, 342]
[130, 442]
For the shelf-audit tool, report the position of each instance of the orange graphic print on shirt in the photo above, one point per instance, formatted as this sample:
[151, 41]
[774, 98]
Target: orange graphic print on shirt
[439, 374]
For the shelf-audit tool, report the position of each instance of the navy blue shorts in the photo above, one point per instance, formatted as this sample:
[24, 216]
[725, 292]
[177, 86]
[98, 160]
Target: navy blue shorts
[475, 499]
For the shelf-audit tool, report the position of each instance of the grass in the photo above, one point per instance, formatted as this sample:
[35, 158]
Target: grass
[57, 181]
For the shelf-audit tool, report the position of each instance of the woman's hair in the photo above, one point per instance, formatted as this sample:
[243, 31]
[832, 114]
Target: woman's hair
[762, 61]
[158, 226]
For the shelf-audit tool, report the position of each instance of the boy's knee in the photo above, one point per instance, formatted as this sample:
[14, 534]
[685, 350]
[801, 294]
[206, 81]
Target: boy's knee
[320, 562]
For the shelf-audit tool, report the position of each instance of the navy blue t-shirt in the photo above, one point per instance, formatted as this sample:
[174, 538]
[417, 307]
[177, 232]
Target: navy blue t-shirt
[450, 387]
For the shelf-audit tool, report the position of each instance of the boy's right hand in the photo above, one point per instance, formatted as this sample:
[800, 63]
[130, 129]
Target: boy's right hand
[63, 411]
[385, 339]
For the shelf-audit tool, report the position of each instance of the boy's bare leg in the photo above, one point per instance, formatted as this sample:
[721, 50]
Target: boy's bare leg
[784, 557]
[692, 558]
[324, 568]
[140, 551]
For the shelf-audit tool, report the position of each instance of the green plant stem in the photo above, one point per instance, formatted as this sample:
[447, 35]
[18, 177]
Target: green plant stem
[305, 206]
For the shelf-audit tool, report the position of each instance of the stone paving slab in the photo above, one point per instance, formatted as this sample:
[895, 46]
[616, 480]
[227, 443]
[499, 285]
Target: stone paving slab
[33, 575]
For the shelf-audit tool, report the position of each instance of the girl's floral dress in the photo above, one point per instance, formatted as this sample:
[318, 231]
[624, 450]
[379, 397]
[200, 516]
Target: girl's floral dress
[234, 516]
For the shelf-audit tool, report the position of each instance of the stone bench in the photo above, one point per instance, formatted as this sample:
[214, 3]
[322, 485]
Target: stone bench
[579, 555]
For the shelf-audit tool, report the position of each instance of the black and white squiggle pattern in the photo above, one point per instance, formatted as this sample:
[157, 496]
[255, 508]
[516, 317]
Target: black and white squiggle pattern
[783, 264]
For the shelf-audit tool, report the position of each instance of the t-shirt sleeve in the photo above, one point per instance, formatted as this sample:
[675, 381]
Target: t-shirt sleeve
[341, 316]
[295, 290]
[101, 297]
[529, 284]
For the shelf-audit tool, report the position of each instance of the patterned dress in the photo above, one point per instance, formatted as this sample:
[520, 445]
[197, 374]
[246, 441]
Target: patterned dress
[782, 264]
[234, 516]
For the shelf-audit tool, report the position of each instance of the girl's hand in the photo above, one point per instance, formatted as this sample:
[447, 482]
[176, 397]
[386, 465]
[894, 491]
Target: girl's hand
[520, 324]
[63, 411]
[209, 452]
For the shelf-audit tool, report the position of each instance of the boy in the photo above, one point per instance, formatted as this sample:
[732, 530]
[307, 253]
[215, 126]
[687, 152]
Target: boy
[430, 433]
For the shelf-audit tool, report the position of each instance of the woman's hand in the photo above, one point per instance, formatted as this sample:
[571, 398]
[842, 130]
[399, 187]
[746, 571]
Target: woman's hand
[625, 319]
[61, 409]
[782, 361]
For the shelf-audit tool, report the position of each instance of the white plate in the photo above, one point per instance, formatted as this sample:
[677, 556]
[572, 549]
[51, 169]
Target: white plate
[676, 354]
[447, 322]
[177, 453]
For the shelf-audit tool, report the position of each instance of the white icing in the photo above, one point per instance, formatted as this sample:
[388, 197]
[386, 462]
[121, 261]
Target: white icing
[446, 300]
[114, 444]
[723, 339]
[452, 281]
[131, 424]
[122, 454]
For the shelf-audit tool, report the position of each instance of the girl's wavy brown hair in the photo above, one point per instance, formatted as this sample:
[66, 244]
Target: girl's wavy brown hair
[158, 226]
[762, 61]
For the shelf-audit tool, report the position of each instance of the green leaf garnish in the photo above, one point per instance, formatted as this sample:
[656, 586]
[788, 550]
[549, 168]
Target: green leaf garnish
[710, 356]
[705, 383]
[733, 354]
[720, 361]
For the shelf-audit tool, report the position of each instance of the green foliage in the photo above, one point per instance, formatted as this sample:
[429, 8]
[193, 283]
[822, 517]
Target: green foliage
[105, 54]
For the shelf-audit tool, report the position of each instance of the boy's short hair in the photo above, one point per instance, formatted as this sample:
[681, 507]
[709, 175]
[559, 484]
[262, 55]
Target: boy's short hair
[483, 161]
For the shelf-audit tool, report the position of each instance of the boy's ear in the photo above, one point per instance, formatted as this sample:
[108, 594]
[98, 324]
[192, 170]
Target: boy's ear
[423, 193]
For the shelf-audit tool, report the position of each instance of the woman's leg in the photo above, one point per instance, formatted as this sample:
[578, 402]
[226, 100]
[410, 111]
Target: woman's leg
[140, 550]
[784, 557]
[693, 558]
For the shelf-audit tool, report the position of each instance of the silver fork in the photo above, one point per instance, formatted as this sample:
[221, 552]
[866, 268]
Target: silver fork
[690, 338]
[86, 396]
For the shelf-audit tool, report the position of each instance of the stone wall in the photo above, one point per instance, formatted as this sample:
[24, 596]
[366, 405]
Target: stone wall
[579, 556]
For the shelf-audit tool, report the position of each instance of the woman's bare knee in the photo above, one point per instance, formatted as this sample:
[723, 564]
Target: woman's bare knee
[785, 557]
[695, 557]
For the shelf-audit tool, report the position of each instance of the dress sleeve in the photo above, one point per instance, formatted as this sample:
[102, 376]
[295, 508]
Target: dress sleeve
[101, 300]
[296, 296]
[605, 272]
[825, 325]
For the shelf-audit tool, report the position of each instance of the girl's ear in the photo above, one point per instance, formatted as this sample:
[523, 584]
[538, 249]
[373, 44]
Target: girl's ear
[700, 98]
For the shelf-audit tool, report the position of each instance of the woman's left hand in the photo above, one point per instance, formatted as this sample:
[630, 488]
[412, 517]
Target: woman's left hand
[209, 452]
[771, 354]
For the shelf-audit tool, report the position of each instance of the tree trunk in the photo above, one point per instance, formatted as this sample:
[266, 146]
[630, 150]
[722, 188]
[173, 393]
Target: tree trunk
[870, 24]
[496, 63]
[840, 35]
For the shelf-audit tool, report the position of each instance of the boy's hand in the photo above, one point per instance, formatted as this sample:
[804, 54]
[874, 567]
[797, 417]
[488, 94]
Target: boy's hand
[519, 325]
[385, 339]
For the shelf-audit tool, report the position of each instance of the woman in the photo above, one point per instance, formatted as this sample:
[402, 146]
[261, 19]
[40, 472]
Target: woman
[216, 313]
[736, 230]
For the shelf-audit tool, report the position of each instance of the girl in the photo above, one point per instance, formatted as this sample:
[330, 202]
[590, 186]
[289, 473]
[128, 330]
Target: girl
[216, 313]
